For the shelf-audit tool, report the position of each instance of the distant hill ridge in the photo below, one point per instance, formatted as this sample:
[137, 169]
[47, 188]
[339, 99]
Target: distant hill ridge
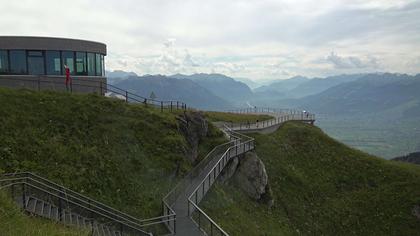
[410, 158]
[221, 85]
[168, 88]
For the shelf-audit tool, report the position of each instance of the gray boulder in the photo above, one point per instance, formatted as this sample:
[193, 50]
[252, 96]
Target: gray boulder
[251, 176]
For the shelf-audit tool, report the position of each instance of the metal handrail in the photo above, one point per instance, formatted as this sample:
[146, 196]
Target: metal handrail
[209, 219]
[103, 88]
[68, 198]
[79, 196]
[243, 141]
[91, 203]
[67, 194]
[281, 115]
[170, 198]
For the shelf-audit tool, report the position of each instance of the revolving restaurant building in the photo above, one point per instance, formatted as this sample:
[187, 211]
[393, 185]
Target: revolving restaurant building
[38, 63]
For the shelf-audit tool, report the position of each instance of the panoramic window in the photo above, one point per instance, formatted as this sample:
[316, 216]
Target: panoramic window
[53, 62]
[68, 59]
[103, 64]
[4, 62]
[81, 63]
[17, 62]
[36, 63]
[91, 63]
[98, 64]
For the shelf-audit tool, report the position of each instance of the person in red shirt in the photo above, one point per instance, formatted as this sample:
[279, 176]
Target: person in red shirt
[68, 79]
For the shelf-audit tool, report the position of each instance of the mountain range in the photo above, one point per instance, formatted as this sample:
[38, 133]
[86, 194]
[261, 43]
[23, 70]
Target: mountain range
[365, 94]
[168, 88]
[235, 92]
[378, 113]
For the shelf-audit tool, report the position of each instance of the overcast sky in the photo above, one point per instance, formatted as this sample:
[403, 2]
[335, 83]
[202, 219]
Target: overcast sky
[257, 39]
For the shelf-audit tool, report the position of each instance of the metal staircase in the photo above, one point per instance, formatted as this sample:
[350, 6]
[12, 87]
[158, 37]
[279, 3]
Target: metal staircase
[47, 210]
[41, 197]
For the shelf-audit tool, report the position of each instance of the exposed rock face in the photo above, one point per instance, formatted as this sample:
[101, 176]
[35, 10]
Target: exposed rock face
[194, 127]
[229, 170]
[249, 174]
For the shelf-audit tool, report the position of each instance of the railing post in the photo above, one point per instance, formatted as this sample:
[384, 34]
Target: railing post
[126, 96]
[209, 180]
[214, 175]
[175, 223]
[177, 105]
[39, 84]
[199, 219]
[60, 209]
[161, 106]
[24, 195]
[13, 191]
[171, 105]
[196, 202]
[100, 88]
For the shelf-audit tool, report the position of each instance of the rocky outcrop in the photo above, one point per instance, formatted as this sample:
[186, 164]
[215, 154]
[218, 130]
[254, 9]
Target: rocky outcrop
[229, 170]
[249, 174]
[194, 127]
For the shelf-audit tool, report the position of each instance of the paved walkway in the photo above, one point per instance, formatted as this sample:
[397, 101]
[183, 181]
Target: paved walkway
[270, 126]
[184, 224]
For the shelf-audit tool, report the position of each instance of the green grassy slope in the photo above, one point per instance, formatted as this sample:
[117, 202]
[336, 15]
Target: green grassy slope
[14, 223]
[321, 187]
[124, 155]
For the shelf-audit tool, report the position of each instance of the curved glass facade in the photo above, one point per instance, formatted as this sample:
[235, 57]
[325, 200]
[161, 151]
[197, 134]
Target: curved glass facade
[49, 62]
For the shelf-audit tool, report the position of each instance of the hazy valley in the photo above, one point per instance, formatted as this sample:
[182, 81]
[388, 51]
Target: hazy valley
[377, 113]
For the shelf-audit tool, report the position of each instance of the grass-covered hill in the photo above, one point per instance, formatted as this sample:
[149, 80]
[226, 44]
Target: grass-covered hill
[321, 187]
[127, 156]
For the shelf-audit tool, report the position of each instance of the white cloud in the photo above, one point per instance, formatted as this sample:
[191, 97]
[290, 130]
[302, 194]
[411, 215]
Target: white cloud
[258, 39]
[352, 62]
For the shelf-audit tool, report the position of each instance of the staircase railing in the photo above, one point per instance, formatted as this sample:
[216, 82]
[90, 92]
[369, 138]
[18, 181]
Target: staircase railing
[242, 144]
[182, 186]
[26, 184]
[87, 86]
